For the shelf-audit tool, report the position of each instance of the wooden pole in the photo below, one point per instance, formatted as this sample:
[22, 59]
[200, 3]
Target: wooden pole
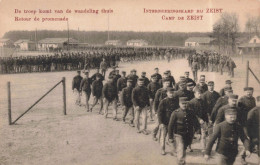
[9, 103]
[64, 95]
[247, 73]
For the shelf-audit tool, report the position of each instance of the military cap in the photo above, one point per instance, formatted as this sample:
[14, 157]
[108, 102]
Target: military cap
[168, 71]
[156, 68]
[233, 96]
[140, 79]
[228, 81]
[78, 71]
[258, 98]
[133, 70]
[231, 111]
[228, 89]
[129, 80]
[143, 72]
[123, 71]
[186, 72]
[154, 76]
[189, 84]
[183, 99]
[170, 89]
[248, 89]
[210, 83]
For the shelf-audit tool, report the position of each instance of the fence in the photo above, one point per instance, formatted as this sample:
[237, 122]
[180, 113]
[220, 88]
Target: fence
[63, 82]
[247, 74]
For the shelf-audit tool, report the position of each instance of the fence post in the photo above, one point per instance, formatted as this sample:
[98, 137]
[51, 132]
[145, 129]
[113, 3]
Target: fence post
[9, 103]
[64, 95]
[247, 73]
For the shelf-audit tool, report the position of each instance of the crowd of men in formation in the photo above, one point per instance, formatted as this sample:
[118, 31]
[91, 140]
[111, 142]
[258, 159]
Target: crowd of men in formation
[182, 110]
[89, 59]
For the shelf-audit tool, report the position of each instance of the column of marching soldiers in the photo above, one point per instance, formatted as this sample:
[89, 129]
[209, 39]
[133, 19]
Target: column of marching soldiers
[92, 57]
[182, 110]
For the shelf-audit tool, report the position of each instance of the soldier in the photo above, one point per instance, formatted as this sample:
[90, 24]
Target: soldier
[190, 86]
[227, 133]
[113, 72]
[187, 79]
[103, 67]
[97, 87]
[126, 100]
[140, 98]
[202, 85]
[110, 96]
[221, 65]
[247, 102]
[160, 95]
[199, 107]
[228, 84]
[210, 98]
[85, 87]
[195, 68]
[220, 102]
[133, 77]
[146, 80]
[159, 77]
[183, 92]
[152, 87]
[182, 79]
[253, 127]
[171, 78]
[231, 67]
[121, 82]
[166, 107]
[180, 128]
[76, 87]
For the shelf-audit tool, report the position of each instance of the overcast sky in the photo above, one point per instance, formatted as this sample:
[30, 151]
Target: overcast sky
[128, 15]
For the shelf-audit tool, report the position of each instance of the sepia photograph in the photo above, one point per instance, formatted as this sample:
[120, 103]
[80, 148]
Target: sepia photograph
[129, 82]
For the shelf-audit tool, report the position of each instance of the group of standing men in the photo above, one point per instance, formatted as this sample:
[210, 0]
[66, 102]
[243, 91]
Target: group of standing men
[181, 110]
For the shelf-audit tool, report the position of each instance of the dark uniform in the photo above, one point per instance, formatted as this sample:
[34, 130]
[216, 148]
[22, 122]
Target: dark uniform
[203, 87]
[126, 100]
[85, 87]
[246, 104]
[210, 99]
[185, 93]
[227, 146]
[93, 77]
[110, 96]
[220, 102]
[121, 83]
[181, 128]
[97, 87]
[76, 82]
[221, 114]
[253, 127]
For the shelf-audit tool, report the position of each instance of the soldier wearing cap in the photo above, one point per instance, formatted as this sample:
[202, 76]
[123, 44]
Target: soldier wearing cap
[146, 80]
[246, 102]
[199, 107]
[152, 87]
[195, 68]
[220, 102]
[140, 98]
[232, 104]
[227, 132]
[85, 86]
[76, 87]
[188, 79]
[183, 92]
[171, 78]
[97, 87]
[110, 96]
[126, 101]
[181, 127]
[166, 107]
[157, 74]
[202, 85]
[160, 95]
[103, 67]
[182, 79]
[228, 84]
[190, 86]
[253, 126]
[133, 77]
[121, 82]
[113, 72]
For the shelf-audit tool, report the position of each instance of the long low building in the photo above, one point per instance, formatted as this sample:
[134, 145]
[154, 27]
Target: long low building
[137, 43]
[251, 47]
[48, 44]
